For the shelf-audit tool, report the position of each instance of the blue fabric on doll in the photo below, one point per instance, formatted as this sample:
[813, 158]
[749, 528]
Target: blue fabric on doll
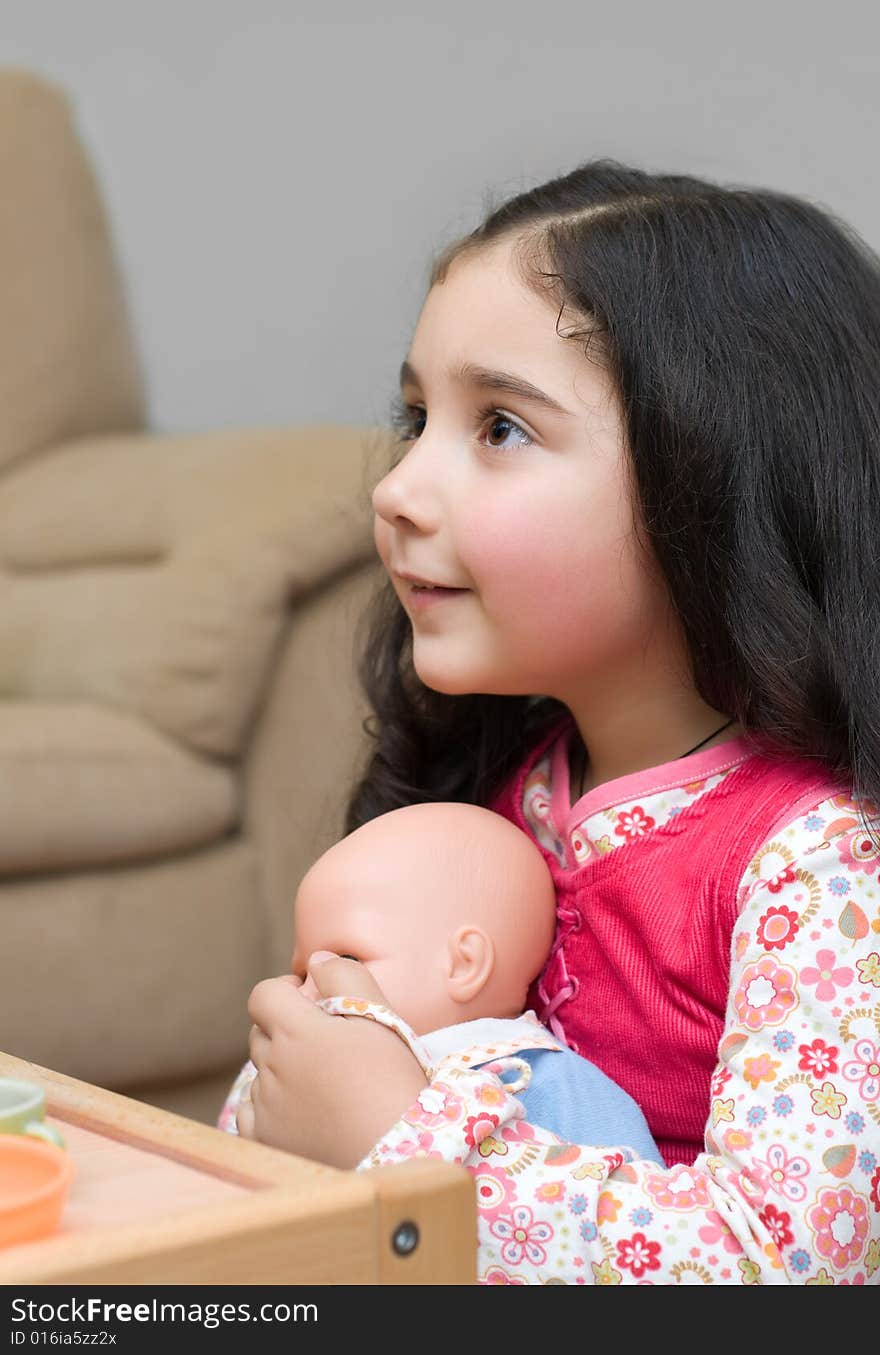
[575, 1100]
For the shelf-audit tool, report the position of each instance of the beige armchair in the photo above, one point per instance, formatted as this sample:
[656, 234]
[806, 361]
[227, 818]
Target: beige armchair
[179, 719]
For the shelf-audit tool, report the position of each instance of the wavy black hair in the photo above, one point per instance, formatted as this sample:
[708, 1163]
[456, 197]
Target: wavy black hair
[741, 328]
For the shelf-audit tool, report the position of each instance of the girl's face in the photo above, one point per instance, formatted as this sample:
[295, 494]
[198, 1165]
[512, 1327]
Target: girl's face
[513, 500]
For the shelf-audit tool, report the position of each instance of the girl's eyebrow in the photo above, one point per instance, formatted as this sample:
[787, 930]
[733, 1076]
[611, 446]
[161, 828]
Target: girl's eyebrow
[484, 378]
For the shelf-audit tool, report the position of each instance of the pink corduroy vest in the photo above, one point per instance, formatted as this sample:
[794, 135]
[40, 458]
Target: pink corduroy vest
[638, 976]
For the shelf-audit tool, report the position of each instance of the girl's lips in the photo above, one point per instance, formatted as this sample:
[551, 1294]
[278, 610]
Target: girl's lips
[430, 597]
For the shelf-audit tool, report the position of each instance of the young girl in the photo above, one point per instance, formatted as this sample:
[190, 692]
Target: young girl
[634, 605]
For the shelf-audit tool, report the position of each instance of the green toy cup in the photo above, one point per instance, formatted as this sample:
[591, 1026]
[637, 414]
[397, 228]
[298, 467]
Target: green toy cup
[23, 1111]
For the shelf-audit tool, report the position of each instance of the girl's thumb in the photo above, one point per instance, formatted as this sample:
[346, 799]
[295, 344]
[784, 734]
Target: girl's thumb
[333, 976]
[319, 956]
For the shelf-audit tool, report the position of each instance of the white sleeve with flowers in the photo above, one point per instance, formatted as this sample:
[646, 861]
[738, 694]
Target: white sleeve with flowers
[788, 1189]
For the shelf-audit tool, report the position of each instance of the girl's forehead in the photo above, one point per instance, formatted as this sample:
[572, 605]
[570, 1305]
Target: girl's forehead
[490, 279]
[479, 321]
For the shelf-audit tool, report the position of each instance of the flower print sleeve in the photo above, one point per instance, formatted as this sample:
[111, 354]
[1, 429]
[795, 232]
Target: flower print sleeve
[788, 1189]
[796, 1109]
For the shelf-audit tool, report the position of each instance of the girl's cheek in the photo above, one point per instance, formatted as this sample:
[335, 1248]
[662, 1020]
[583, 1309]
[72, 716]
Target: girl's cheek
[558, 581]
[522, 557]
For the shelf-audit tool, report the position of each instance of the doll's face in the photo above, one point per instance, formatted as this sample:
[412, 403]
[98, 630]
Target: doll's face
[373, 919]
[384, 896]
[412, 894]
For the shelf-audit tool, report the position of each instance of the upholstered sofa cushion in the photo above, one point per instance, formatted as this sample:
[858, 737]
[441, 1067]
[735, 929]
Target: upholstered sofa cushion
[153, 573]
[87, 786]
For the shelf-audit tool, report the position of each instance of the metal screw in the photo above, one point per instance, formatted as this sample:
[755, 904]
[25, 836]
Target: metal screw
[405, 1238]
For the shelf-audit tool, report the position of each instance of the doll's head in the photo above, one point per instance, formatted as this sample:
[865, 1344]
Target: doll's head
[449, 906]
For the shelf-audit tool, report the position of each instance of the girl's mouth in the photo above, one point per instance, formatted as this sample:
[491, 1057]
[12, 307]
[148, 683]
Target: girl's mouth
[427, 595]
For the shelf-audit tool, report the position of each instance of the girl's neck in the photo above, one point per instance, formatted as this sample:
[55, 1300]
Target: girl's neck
[635, 705]
[643, 738]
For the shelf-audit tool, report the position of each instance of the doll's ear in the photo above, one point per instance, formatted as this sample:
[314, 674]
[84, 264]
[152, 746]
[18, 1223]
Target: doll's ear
[471, 962]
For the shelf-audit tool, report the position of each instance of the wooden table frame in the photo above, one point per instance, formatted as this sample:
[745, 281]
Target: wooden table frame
[289, 1222]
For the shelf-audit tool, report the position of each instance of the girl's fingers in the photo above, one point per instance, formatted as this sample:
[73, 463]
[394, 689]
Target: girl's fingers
[245, 1120]
[258, 1046]
[338, 977]
[275, 1003]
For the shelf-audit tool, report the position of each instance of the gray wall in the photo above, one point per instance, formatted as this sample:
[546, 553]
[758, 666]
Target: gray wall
[278, 175]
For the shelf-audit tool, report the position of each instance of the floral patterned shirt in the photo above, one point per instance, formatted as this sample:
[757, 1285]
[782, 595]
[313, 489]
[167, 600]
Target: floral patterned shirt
[787, 1190]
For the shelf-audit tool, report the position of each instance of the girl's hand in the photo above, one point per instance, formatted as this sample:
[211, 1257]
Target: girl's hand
[326, 1088]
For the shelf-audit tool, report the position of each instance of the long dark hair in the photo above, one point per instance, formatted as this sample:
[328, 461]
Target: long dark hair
[741, 328]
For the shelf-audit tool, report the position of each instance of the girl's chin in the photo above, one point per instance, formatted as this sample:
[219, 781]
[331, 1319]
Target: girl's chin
[461, 681]
[446, 685]
[443, 678]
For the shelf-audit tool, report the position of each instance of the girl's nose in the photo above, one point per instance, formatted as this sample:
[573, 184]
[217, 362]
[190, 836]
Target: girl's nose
[406, 495]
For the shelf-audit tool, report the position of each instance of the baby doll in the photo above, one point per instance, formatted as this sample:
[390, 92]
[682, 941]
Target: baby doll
[452, 910]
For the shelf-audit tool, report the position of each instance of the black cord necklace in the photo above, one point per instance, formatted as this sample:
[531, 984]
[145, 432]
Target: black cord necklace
[706, 740]
[726, 725]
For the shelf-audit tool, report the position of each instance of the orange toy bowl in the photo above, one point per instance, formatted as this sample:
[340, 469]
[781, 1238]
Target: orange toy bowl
[35, 1180]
